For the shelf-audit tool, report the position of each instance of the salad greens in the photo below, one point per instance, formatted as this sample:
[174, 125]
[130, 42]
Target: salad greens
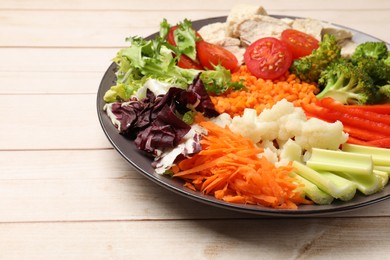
[156, 59]
[184, 35]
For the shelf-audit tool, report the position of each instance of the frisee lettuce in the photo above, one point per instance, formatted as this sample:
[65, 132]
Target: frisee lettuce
[156, 59]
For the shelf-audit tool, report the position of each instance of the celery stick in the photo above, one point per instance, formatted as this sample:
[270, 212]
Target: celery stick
[312, 191]
[330, 183]
[382, 168]
[384, 176]
[340, 161]
[366, 184]
[380, 156]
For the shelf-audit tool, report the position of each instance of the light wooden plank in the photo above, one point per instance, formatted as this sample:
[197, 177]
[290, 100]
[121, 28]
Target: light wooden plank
[99, 185]
[50, 82]
[18, 61]
[64, 165]
[50, 122]
[189, 5]
[356, 238]
[109, 28]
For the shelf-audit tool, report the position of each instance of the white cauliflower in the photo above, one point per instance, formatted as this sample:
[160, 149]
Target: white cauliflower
[222, 120]
[247, 125]
[320, 134]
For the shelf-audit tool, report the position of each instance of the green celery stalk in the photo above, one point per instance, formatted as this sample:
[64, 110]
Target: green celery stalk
[382, 168]
[380, 156]
[312, 191]
[330, 183]
[384, 176]
[366, 184]
[340, 161]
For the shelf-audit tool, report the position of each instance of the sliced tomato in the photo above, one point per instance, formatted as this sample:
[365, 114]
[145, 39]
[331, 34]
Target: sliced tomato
[299, 43]
[186, 63]
[210, 54]
[268, 58]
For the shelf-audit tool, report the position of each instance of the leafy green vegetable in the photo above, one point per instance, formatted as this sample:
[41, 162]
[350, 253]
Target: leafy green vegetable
[156, 59]
[189, 117]
[185, 39]
[142, 60]
[218, 80]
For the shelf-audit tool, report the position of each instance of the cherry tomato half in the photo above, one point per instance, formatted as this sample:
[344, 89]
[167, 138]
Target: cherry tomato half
[268, 58]
[299, 43]
[210, 54]
[186, 63]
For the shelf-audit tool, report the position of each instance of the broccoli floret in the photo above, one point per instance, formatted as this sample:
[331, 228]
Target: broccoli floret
[385, 91]
[387, 60]
[376, 50]
[373, 58]
[347, 83]
[376, 69]
[309, 68]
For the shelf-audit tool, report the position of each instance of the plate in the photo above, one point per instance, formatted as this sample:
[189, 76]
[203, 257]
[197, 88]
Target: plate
[142, 163]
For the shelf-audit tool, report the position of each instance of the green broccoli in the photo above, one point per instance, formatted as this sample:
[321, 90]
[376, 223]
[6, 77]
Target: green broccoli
[309, 68]
[376, 69]
[387, 60]
[373, 58]
[347, 83]
[385, 91]
[376, 50]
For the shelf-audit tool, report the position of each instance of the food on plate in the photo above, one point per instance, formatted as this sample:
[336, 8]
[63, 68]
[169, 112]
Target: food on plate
[211, 55]
[300, 44]
[260, 94]
[310, 67]
[261, 110]
[268, 58]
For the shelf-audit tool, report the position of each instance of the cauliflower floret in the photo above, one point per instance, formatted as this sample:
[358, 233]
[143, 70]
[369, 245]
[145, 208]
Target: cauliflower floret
[247, 125]
[320, 134]
[222, 120]
[281, 108]
[270, 155]
[291, 124]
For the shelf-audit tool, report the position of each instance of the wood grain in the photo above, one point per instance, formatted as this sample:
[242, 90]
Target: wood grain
[257, 238]
[110, 28]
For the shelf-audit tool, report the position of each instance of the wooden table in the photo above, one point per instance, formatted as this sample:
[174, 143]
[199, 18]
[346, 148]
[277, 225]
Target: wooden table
[65, 193]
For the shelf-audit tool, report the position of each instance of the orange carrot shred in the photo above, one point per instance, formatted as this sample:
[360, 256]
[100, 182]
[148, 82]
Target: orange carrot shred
[228, 167]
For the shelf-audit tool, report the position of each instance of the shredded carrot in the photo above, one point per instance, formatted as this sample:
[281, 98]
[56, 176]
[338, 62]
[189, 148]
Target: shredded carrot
[229, 168]
[260, 94]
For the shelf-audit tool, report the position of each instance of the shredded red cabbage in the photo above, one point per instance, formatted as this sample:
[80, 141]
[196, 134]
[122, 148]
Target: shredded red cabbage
[153, 122]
